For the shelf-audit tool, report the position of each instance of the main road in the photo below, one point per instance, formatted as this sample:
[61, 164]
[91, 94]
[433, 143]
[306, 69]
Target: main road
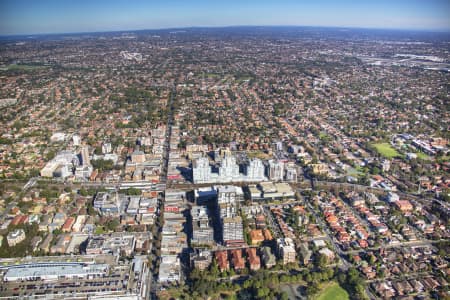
[152, 278]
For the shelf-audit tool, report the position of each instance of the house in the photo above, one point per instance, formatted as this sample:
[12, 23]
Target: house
[35, 241]
[404, 205]
[328, 254]
[45, 245]
[67, 227]
[19, 219]
[59, 219]
[319, 243]
[61, 244]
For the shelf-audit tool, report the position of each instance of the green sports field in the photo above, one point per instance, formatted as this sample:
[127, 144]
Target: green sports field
[333, 291]
[386, 150]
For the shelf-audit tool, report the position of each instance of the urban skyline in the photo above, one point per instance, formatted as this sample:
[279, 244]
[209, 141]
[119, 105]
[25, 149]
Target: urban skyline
[237, 162]
[22, 17]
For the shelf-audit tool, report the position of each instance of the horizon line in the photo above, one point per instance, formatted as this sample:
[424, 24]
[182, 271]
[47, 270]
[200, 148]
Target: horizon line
[429, 30]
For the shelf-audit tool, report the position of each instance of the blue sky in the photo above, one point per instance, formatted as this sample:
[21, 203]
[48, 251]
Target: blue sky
[58, 16]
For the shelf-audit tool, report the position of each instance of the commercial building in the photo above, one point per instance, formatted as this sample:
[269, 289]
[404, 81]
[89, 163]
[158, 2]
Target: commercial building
[138, 157]
[205, 195]
[169, 269]
[70, 277]
[273, 191]
[202, 232]
[229, 194]
[61, 165]
[54, 271]
[107, 204]
[113, 244]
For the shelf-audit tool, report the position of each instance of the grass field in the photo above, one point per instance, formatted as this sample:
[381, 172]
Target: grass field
[100, 230]
[257, 154]
[332, 291]
[386, 150]
[422, 155]
[14, 67]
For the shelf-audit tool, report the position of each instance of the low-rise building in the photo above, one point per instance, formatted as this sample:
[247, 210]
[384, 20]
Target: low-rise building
[237, 260]
[201, 259]
[328, 254]
[253, 259]
[268, 258]
[233, 231]
[256, 236]
[222, 260]
[79, 223]
[67, 227]
[305, 253]
[169, 269]
[113, 244]
[16, 236]
[286, 250]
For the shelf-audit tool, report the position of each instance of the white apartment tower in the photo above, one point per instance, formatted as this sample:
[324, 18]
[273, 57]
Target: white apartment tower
[201, 170]
[255, 170]
[229, 169]
[276, 170]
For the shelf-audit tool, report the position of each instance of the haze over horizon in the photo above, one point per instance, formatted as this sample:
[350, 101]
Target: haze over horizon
[52, 16]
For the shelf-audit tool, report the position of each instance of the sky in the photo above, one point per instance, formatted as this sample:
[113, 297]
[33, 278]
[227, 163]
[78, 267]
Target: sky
[64, 16]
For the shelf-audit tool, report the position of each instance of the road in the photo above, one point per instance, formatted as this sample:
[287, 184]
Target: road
[345, 264]
[152, 279]
[152, 284]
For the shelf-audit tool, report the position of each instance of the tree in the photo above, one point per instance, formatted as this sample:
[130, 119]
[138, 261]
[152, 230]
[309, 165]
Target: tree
[214, 269]
[103, 165]
[321, 261]
[284, 296]
[133, 192]
[262, 292]
[112, 224]
[312, 289]
[83, 192]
